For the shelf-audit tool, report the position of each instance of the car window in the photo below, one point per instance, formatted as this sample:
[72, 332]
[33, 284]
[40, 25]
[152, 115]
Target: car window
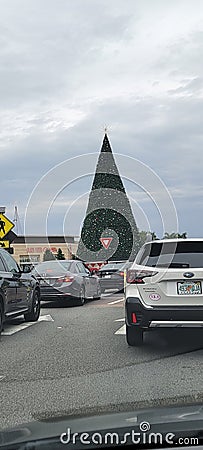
[185, 254]
[66, 265]
[10, 263]
[51, 267]
[113, 266]
[2, 267]
[81, 268]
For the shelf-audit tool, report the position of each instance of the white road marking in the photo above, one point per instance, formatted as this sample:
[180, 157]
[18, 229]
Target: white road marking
[119, 320]
[108, 292]
[15, 328]
[116, 301]
[45, 318]
[121, 330]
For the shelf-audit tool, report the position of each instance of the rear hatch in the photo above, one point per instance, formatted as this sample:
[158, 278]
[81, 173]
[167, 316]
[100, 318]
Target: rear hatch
[49, 281]
[174, 273]
[112, 271]
[171, 287]
[109, 274]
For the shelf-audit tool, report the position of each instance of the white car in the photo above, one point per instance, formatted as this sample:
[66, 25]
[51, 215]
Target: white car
[163, 287]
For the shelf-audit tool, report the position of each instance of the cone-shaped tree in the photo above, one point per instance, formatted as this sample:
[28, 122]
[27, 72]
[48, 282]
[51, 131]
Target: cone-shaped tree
[60, 254]
[48, 255]
[109, 215]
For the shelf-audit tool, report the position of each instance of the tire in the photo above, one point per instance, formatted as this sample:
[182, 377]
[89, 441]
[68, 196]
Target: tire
[98, 296]
[134, 336]
[81, 299]
[1, 318]
[33, 314]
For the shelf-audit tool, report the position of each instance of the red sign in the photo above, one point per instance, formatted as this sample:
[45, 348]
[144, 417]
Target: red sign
[40, 249]
[106, 242]
[95, 265]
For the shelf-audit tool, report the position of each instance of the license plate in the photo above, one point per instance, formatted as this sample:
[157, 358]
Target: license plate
[189, 287]
[107, 276]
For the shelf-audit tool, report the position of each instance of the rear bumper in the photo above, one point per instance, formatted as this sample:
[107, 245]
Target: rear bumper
[49, 293]
[111, 283]
[164, 317]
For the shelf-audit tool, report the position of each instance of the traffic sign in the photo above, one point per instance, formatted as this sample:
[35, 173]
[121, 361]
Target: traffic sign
[4, 244]
[5, 225]
[106, 242]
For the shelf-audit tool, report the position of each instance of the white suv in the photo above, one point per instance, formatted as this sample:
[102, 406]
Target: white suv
[164, 286]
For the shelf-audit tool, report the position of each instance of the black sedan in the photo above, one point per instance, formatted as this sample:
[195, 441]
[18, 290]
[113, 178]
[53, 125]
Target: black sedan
[19, 292]
[111, 275]
[68, 279]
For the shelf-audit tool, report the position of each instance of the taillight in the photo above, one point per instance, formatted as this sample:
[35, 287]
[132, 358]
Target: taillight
[121, 274]
[65, 279]
[137, 276]
[134, 318]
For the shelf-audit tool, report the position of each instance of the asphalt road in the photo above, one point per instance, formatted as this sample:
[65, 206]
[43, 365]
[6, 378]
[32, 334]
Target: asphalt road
[76, 360]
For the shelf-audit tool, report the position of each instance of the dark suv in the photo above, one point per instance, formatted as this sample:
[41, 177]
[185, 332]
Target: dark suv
[19, 292]
[111, 275]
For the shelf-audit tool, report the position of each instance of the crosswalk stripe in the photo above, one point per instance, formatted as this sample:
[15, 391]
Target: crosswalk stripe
[121, 330]
[116, 301]
[16, 328]
[45, 318]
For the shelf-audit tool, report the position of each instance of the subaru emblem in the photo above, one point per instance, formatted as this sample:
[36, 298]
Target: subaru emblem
[188, 274]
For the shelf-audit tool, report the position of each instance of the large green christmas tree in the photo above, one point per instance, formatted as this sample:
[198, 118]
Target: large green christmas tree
[109, 215]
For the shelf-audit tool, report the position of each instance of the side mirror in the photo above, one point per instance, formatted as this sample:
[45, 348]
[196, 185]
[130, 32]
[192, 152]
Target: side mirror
[26, 269]
[17, 274]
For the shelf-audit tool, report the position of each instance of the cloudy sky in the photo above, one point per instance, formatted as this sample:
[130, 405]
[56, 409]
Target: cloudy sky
[70, 67]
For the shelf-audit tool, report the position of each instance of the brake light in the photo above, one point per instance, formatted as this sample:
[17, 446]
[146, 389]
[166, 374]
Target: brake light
[121, 274]
[134, 318]
[137, 277]
[66, 279]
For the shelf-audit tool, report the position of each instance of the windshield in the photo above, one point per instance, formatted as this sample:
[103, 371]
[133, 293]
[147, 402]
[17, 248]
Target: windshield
[184, 254]
[113, 266]
[101, 214]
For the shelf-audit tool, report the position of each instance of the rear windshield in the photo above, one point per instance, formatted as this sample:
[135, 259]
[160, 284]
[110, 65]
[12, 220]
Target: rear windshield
[172, 254]
[51, 267]
[114, 266]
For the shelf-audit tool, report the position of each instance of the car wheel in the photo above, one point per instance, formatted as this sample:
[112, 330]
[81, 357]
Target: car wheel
[98, 295]
[134, 336]
[33, 314]
[81, 300]
[1, 318]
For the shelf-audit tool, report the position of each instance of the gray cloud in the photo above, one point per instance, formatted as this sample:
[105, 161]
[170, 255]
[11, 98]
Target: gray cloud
[69, 68]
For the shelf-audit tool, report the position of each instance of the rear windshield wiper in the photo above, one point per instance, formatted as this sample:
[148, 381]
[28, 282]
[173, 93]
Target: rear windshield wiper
[173, 265]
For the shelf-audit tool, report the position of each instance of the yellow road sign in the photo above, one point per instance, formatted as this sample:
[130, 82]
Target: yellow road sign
[5, 225]
[4, 244]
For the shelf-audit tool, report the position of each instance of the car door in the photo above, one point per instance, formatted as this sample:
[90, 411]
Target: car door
[19, 283]
[90, 280]
[85, 277]
[8, 285]
[93, 280]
